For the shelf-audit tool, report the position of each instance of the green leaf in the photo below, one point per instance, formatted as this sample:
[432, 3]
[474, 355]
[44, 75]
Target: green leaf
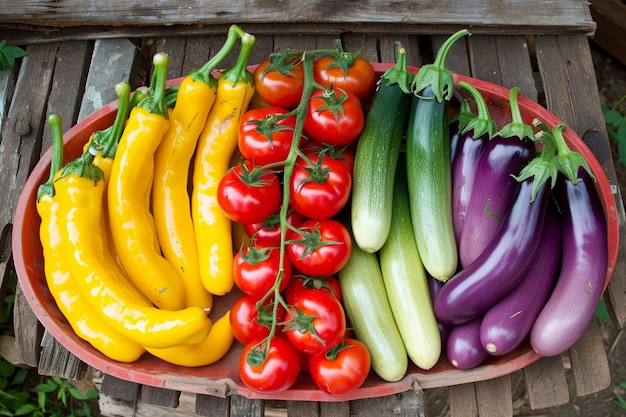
[25, 410]
[613, 117]
[8, 54]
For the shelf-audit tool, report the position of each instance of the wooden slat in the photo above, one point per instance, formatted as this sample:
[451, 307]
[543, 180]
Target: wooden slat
[494, 397]
[56, 360]
[463, 400]
[589, 362]
[207, 405]
[119, 388]
[546, 384]
[113, 61]
[409, 404]
[159, 396]
[303, 408]
[244, 407]
[564, 15]
[610, 16]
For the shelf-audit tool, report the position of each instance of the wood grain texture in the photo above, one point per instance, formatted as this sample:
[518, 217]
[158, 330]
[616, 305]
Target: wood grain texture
[65, 13]
[589, 353]
[546, 384]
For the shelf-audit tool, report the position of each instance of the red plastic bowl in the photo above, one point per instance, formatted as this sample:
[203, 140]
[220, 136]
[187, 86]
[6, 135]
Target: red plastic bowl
[221, 378]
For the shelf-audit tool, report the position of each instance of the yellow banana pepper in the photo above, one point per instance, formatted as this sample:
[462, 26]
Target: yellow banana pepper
[129, 190]
[209, 351]
[82, 317]
[216, 145]
[170, 193]
[80, 190]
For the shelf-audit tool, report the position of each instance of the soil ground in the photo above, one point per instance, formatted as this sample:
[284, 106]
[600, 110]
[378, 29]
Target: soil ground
[611, 77]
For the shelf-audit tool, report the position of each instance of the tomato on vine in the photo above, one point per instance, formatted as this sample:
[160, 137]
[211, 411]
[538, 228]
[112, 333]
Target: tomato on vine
[319, 186]
[315, 322]
[269, 366]
[248, 194]
[346, 71]
[341, 370]
[250, 321]
[301, 283]
[279, 79]
[343, 153]
[319, 247]
[334, 116]
[257, 266]
[268, 230]
[264, 136]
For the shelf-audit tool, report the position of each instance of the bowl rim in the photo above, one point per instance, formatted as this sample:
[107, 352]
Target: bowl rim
[199, 380]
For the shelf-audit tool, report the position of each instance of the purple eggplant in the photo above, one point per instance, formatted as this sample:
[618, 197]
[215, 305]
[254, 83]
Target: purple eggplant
[580, 284]
[434, 285]
[463, 349]
[492, 192]
[477, 132]
[477, 288]
[507, 324]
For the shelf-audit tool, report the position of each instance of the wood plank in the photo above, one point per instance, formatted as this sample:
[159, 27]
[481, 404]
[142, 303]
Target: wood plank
[303, 408]
[56, 360]
[112, 62]
[208, 405]
[339, 409]
[572, 15]
[7, 82]
[408, 404]
[159, 396]
[610, 16]
[463, 400]
[245, 407]
[28, 331]
[566, 68]
[494, 397]
[546, 384]
[119, 388]
[589, 362]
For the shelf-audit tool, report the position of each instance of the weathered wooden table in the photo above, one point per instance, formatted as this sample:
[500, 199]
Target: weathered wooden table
[77, 54]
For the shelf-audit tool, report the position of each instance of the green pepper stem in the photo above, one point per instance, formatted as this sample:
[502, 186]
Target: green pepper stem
[105, 141]
[238, 72]
[56, 161]
[204, 73]
[155, 101]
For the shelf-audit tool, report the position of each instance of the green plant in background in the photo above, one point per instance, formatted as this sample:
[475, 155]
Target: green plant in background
[23, 392]
[616, 126]
[8, 54]
[619, 399]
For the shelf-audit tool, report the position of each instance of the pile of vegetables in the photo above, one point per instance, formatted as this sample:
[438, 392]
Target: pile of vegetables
[366, 221]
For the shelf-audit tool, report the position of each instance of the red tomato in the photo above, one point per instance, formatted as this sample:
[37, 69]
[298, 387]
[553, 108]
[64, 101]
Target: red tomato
[274, 372]
[346, 71]
[321, 188]
[342, 370]
[256, 267]
[247, 194]
[279, 80]
[269, 229]
[264, 137]
[316, 322]
[334, 116]
[249, 323]
[301, 283]
[343, 153]
[319, 247]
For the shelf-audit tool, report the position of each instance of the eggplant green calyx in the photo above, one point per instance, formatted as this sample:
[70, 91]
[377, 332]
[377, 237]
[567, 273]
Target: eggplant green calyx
[568, 161]
[516, 128]
[482, 124]
[105, 141]
[543, 167]
[435, 75]
[399, 74]
[54, 121]
[464, 116]
[155, 101]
